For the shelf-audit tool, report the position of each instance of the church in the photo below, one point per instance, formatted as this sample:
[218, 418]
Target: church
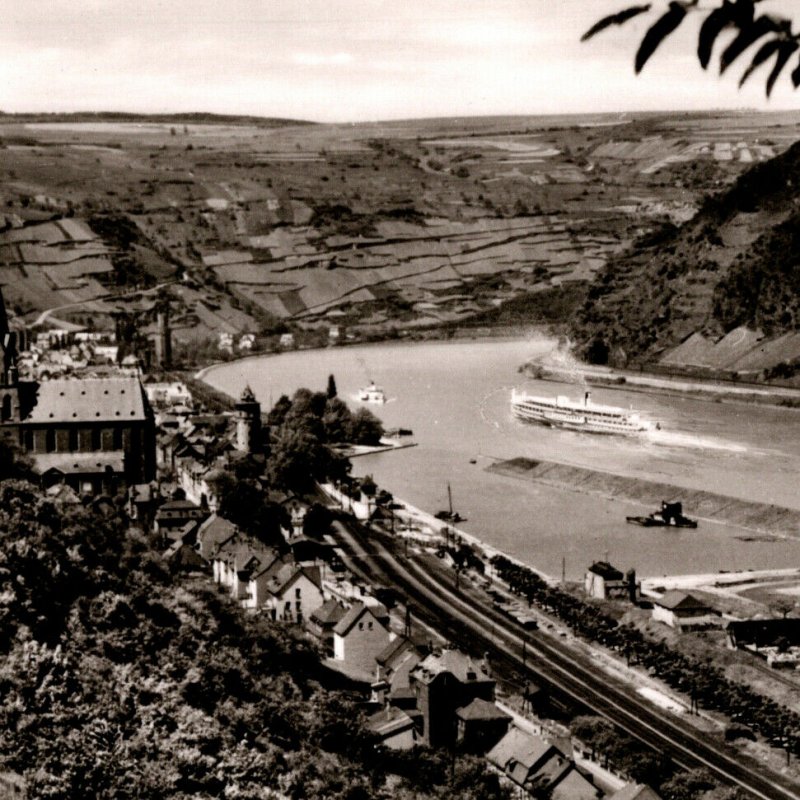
[95, 435]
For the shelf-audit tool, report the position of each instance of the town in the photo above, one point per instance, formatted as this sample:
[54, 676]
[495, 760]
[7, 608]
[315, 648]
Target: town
[227, 494]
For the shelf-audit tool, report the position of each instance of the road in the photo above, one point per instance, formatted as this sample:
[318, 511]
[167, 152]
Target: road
[551, 662]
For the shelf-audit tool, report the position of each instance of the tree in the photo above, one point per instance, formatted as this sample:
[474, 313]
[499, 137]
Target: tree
[779, 43]
[331, 387]
[366, 428]
[337, 421]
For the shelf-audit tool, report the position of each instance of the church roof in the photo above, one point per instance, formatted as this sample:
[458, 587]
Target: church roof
[89, 400]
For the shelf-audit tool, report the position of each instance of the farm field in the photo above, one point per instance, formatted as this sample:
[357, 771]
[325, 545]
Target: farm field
[378, 229]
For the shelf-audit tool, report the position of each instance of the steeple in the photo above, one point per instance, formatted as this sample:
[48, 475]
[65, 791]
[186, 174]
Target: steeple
[8, 343]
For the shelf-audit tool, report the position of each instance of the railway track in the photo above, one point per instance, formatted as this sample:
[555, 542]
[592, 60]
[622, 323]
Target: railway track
[552, 663]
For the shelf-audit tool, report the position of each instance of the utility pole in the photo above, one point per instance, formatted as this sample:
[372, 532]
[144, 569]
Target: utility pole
[563, 570]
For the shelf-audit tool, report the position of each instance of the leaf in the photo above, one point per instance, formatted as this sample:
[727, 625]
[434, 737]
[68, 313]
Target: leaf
[784, 54]
[728, 14]
[660, 29]
[747, 36]
[796, 75]
[615, 19]
[764, 52]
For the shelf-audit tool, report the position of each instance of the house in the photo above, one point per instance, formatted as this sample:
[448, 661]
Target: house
[635, 791]
[173, 516]
[393, 727]
[534, 766]
[359, 636]
[444, 682]
[603, 581]
[480, 725]
[683, 611]
[321, 622]
[294, 592]
[212, 533]
[776, 640]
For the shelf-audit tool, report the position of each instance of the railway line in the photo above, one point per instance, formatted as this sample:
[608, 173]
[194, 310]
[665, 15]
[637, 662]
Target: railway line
[552, 663]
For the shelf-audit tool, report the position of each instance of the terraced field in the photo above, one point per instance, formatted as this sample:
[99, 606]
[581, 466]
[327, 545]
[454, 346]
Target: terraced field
[376, 227]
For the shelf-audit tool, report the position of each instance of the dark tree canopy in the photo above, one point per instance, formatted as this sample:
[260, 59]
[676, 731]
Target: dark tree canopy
[773, 36]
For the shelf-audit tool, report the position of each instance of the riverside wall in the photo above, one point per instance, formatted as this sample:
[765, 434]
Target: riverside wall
[758, 517]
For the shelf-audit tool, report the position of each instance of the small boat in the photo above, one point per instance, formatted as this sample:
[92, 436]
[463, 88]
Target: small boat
[449, 515]
[372, 394]
[670, 516]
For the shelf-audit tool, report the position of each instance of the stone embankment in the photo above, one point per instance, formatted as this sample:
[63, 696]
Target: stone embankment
[759, 517]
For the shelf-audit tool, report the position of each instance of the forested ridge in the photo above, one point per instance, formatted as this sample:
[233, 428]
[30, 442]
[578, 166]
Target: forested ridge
[735, 263]
[121, 680]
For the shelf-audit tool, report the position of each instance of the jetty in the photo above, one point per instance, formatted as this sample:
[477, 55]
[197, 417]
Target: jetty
[708, 506]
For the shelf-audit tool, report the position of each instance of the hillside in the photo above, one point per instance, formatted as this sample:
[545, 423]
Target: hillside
[121, 680]
[364, 231]
[719, 292]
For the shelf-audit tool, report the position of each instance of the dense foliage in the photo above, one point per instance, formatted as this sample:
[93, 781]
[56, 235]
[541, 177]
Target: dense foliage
[700, 679]
[303, 429]
[698, 277]
[119, 681]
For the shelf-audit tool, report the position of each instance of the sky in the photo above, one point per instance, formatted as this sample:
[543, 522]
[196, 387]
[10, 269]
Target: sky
[353, 60]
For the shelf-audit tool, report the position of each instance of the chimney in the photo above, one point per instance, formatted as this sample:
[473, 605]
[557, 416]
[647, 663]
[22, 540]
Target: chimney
[586, 398]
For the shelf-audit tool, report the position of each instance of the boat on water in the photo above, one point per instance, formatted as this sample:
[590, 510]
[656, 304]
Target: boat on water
[670, 516]
[448, 515]
[577, 415]
[372, 394]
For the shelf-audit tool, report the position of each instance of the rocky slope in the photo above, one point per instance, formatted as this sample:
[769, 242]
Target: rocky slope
[732, 269]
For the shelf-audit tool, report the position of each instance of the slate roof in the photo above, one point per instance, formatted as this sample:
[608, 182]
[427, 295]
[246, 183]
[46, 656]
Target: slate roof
[213, 532]
[88, 400]
[481, 710]
[353, 615]
[80, 463]
[517, 752]
[329, 613]
[389, 721]
[459, 664]
[393, 649]
[674, 600]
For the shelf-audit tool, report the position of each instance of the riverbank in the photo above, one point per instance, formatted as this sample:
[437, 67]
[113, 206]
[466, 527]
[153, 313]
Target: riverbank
[760, 518]
[647, 382]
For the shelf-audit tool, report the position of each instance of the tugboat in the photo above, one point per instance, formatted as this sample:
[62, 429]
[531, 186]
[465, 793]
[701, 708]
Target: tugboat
[449, 515]
[670, 516]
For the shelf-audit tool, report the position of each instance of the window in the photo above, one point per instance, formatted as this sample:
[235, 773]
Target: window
[369, 626]
[361, 626]
[6, 413]
[49, 441]
[73, 439]
[95, 438]
[297, 593]
[116, 443]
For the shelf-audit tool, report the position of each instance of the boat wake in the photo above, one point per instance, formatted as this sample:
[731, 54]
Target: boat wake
[688, 440]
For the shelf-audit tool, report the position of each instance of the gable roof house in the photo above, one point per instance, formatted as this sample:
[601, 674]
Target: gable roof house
[292, 593]
[212, 533]
[533, 765]
[684, 611]
[360, 635]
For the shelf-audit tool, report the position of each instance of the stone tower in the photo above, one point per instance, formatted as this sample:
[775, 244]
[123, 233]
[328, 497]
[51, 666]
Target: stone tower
[248, 422]
[163, 338]
[9, 380]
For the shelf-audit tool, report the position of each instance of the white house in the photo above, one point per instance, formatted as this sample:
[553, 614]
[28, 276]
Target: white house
[360, 636]
[683, 611]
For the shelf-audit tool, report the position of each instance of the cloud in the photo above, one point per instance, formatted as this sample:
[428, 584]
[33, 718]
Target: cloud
[322, 59]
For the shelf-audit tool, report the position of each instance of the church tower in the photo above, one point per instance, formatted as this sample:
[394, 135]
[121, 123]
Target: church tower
[9, 380]
[248, 422]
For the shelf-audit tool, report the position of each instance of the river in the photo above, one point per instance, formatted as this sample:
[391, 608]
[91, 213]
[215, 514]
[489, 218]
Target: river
[455, 398]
